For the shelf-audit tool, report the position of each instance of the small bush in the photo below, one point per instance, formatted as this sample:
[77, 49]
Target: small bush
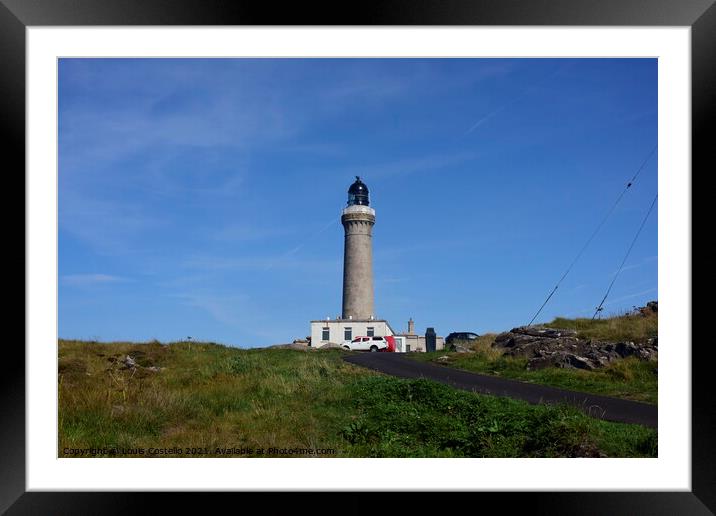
[357, 432]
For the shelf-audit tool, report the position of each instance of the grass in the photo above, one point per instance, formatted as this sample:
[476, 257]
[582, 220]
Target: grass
[445, 422]
[619, 328]
[629, 378]
[209, 398]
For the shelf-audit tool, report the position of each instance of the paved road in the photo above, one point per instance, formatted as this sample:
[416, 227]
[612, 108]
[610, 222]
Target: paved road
[611, 409]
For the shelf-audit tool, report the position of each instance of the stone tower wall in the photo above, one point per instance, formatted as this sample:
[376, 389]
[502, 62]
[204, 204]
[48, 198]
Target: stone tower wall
[358, 223]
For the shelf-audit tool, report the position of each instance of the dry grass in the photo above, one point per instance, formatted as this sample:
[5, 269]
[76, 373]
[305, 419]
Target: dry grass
[483, 345]
[626, 327]
[207, 396]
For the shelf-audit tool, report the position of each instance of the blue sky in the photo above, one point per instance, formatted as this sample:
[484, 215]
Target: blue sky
[201, 197]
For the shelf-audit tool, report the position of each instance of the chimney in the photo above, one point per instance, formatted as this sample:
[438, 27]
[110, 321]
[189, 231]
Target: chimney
[411, 327]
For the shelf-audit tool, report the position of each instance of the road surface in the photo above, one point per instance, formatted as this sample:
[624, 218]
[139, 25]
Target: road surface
[602, 407]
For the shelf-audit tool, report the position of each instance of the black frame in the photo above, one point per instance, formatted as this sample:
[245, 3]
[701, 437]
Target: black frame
[16, 15]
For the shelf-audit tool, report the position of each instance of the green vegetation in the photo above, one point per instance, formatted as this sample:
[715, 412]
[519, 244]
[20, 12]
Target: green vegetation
[210, 397]
[445, 422]
[629, 378]
[631, 326]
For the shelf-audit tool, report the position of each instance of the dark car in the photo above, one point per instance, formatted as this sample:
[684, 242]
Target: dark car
[460, 336]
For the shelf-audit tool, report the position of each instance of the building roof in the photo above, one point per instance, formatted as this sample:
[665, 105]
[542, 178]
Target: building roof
[358, 193]
[353, 321]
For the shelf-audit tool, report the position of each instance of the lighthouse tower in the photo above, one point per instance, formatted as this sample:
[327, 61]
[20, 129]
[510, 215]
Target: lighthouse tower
[358, 326]
[358, 319]
[358, 219]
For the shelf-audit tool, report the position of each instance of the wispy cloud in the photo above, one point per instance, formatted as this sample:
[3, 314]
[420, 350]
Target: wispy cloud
[238, 311]
[257, 263]
[230, 310]
[108, 226]
[630, 296]
[638, 265]
[514, 99]
[85, 280]
[241, 232]
[493, 113]
[305, 241]
[621, 298]
[373, 90]
[402, 167]
[575, 288]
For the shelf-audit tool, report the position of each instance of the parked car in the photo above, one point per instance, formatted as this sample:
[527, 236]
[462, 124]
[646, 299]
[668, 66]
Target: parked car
[371, 344]
[460, 336]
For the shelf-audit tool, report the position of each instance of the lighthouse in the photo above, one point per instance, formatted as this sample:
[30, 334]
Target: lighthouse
[357, 318]
[358, 219]
[358, 325]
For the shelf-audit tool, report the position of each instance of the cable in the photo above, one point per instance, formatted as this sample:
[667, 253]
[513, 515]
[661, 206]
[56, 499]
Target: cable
[589, 241]
[599, 308]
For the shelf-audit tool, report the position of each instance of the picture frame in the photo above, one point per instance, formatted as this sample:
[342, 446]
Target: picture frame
[17, 15]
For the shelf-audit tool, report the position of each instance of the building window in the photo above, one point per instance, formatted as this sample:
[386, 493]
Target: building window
[348, 333]
[370, 331]
[326, 334]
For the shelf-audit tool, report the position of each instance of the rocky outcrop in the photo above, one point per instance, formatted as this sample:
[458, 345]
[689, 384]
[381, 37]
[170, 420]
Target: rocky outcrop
[330, 345]
[130, 363]
[294, 345]
[652, 307]
[545, 347]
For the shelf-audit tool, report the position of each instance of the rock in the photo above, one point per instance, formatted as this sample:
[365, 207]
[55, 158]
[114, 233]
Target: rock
[545, 347]
[564, 360]
[443, 359]
[293, 345]
[504, 340]
[330, 345]
[129, 362]
[539, 363]
[603, 361]
[462, 349]
[579, 362]
[538, 331]
[625, 349]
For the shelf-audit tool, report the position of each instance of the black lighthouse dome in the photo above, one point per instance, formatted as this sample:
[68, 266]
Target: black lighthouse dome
[358, 193]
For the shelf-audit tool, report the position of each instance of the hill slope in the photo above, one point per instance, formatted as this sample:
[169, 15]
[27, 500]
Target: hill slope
[628, 378]
[197, 399]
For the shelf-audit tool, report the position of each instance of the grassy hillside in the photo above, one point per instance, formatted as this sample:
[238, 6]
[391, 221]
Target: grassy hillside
[211, 400]
[632, 327]
[629, 378]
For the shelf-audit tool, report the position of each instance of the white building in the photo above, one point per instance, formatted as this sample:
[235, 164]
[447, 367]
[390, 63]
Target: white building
[340, 331]
[410, 341]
